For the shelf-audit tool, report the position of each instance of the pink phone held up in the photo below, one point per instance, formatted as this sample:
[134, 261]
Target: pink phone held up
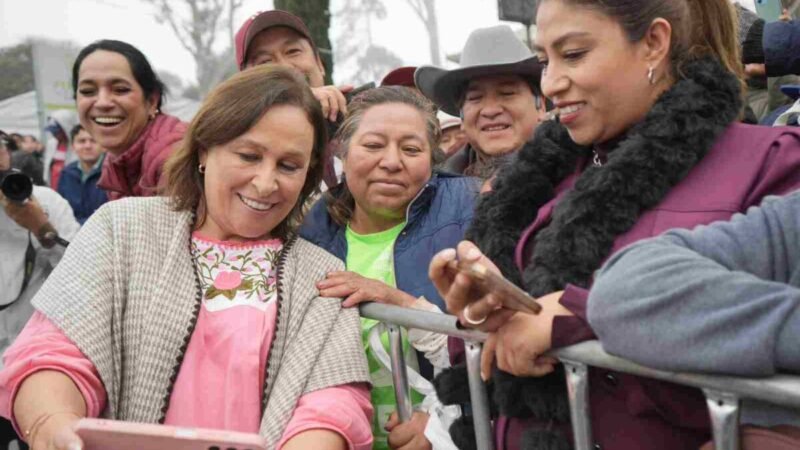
[101, 434]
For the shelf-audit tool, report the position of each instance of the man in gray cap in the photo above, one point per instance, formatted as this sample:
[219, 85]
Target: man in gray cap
[495, 92]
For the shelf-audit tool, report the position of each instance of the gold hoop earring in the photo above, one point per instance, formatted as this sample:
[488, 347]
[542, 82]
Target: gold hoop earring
[651, 75]
[201, 168]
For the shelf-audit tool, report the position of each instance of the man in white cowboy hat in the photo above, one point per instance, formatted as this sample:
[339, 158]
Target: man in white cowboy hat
[495, 92]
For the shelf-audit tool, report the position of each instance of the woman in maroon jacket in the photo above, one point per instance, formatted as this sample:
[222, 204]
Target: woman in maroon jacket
[119, 99]
[649, 93]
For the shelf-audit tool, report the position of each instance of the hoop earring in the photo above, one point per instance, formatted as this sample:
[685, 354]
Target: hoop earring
[201, 168]
[651, 75]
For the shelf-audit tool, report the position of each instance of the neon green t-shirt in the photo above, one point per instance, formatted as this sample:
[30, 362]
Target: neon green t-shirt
[372, 256]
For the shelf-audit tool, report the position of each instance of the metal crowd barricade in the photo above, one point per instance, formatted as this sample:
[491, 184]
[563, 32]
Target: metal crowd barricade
[723, 393]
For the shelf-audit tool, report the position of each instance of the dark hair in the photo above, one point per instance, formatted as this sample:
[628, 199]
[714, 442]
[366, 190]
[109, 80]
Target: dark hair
[142, 70]
[699, 27]
[74, 131]
[342, 204]
[232, 108]
[8, 140]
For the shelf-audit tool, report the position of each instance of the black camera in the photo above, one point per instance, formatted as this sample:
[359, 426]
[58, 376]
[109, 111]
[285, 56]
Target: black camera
[15, 185]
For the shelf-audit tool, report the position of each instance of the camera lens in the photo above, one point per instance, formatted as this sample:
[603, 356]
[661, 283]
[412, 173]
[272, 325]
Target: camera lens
[16, 186]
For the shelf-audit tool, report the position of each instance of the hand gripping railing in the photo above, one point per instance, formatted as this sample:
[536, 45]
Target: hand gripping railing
[723, 394]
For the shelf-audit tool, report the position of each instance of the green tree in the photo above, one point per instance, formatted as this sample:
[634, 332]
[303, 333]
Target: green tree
[16, 70]
[316, 14]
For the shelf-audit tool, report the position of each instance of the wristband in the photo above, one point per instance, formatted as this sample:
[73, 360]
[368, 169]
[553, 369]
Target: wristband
[30, 433]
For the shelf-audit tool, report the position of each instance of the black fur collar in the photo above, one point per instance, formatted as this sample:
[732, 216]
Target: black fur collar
[654, 156]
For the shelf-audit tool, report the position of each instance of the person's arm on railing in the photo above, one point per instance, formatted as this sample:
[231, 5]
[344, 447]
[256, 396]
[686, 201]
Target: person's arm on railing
[432, 345]
[517, 341]
[356, 289]
[722, 298]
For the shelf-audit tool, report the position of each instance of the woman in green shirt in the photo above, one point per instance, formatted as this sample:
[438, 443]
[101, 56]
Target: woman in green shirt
[386, 220]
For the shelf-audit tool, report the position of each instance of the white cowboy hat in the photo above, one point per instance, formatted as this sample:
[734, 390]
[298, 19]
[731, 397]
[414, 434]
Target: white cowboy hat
[488, 51]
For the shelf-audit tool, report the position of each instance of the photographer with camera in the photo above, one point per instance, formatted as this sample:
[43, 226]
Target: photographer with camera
[25, 160]
[31, 220]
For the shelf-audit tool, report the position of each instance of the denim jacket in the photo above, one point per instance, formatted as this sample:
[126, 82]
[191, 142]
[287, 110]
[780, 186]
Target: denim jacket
[435, 220]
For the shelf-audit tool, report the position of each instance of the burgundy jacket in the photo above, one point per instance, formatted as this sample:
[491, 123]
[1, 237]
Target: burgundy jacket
[137, 172]
[746, 164]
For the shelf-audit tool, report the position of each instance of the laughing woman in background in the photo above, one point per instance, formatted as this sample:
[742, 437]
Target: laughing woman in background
[119, 99]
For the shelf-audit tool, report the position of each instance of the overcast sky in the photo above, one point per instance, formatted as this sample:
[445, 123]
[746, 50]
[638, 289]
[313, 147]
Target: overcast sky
[133, 21]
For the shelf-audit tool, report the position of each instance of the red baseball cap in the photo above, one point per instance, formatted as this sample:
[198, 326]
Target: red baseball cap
[260, 22]
[402, 76]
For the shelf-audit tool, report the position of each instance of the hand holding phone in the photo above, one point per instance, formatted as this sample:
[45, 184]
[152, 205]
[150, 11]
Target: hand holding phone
[103, 434]
[511, 296]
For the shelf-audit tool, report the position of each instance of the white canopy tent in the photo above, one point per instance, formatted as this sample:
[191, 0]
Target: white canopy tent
[18, 113]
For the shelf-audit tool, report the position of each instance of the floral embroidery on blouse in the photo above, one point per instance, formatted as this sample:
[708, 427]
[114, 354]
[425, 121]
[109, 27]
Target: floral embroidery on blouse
[233, 274]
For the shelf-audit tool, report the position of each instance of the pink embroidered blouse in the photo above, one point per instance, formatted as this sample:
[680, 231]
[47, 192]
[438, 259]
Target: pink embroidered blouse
[220, 383]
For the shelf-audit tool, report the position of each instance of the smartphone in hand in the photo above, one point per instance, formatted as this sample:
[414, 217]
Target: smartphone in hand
[511, 296]
[101, 434]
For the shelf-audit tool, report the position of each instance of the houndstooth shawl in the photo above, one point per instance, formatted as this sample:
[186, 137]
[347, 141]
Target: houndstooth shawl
[125, 293]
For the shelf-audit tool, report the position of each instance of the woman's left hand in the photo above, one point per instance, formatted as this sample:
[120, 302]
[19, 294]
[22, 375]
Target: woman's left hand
[518, 345]
[356, 289]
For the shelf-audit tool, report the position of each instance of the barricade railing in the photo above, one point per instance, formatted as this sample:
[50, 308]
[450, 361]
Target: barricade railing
[723, 393]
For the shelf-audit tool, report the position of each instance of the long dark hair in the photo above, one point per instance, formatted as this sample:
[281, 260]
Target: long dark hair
[142, 70]
[342, 204]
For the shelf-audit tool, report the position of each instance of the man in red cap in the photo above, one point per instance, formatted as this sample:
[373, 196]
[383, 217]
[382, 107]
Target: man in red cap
[279, 37]
[402, 76]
